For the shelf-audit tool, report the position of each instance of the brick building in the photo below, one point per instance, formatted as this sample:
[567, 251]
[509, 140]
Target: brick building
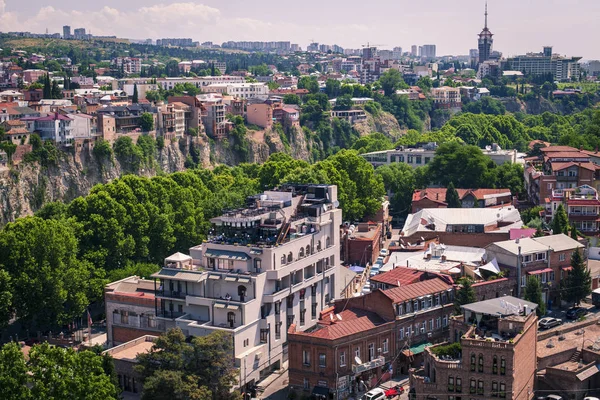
[476, 227]
[361, 244]
[548, 258]
[436, 198]
[130, 310]
[497, 356]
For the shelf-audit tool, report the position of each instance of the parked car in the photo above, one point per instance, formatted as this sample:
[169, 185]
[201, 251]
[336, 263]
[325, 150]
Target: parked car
[383, 252]
[576, 312]
[374, 394]
[553, 397]
[547, 323]
[395, 391]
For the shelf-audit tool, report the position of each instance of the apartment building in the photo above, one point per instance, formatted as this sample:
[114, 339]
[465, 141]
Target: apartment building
[129, 65]
[260, 115]
[131, 310]
[422, 154]
[199, 82]
[546, 63]
[497, 357]
[352, 116]
[469, 198]
[558, 167]
[477, 227]
[581, 204]
[548, 258]
[213, 114]
[263, 269]
[446, 97]
[56, 127]
[239, 90]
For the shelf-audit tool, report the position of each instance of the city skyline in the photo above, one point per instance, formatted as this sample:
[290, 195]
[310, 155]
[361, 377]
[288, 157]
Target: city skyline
[403, 24]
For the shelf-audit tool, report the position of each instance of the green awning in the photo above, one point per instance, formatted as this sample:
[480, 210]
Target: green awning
[416, 349]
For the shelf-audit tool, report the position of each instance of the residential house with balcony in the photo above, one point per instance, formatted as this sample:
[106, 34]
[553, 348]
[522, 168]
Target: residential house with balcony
[469, 198]
[131, 310]
[446, 97]
[263, 269]
[213, 115]
[548, 258]
[494, 356]
[56, 127]
[581, 204]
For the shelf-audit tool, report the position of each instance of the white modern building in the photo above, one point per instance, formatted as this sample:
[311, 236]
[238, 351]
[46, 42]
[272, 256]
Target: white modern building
[262, 269]
[199, 82]
[239, 90]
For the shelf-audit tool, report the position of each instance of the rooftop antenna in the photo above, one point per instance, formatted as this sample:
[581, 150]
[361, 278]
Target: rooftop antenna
[486, 14]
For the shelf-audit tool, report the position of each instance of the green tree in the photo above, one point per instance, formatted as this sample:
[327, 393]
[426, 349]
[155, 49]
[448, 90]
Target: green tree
[13, 373]
[204, 365]
[344, 102]
[533, 293]
[56, 93]
[134, 98]
[153, 95]
[400, 183]
[560, 222]
[6, 298]
[332, 88]
[291, 98]
[102, 149]
[578, 284]
[574, 234]
[391, 80]
[464, 295]
[147, 122]
[174, 385]
[465, 166]
[47, 92]
[452, 197]
[309, 83]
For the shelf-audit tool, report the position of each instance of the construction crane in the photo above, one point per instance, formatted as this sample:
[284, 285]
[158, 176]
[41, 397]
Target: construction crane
[371, 45]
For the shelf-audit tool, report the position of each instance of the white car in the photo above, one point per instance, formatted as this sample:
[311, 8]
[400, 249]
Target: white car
[384, 252]
[374, 394]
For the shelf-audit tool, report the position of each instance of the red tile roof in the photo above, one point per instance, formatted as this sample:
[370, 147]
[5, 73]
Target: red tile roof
[405, 276]
[557, 166]
[353, 321]
[583, 202]
[416, 290]
[439, 194]
[552, 149]
[489, 282]
[565, 154]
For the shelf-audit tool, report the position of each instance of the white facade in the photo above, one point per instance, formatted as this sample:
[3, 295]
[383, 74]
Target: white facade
[199, 82]
[239, 90]
[267, 267]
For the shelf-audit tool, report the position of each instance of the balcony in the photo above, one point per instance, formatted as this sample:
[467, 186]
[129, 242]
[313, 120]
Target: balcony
[170, 314]
[375, 363]
[171, 294]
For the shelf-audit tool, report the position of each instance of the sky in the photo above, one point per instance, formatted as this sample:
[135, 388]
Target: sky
[519, 26]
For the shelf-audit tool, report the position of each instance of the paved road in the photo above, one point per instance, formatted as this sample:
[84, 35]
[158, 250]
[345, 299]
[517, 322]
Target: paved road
[278, 389]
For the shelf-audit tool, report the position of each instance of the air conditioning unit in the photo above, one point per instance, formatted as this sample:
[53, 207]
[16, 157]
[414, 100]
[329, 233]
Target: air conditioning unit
[379, 349]
[259, 355]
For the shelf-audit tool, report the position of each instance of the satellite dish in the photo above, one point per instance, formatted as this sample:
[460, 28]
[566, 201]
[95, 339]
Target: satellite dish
[338, 316]
[422, 239]
[358, 361]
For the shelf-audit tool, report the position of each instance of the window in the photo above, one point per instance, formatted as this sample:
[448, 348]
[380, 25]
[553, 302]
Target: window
[502, 366]
[302, 317]
[495, 365]
[523, 280]
[445, 321]
[480, 387]
[451, 384]
[561, 257]
[418, 159]
[438, 323]
[278, 330]
[306, 384]
[305, 357]
[472, 362]
[386, 345]
[343, 359]
[357, 352]
[371, 351]
[431, 325]
[494, 389]
[399, 309]
[231, 319]
[257, 264]
[551, 276]
[502, 392]
[423, 304]
[322, 360]
[264, 334]
[540, 256]
[480, 363]
[401, 333]
[290, 320]
[527, 258]
[278, 308]
[473, 386]
[458, 385]
[416, 306]
[313, 311]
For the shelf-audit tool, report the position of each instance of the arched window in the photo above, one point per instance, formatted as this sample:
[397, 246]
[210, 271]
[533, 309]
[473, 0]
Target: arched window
[301, 253]
[502, 366]
[307, 250]
[290, 257]
[242, 293]
[480, 363]
[283, 260]
[473, 361]
[327, 242]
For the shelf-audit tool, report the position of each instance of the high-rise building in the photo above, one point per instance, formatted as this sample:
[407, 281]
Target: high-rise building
[413, 50]
[428, 51]
[66, 32]
[486, 41]
[545, 63]
[79, 33]
[369, 53]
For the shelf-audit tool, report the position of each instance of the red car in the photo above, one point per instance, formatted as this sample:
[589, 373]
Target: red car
[395, 391]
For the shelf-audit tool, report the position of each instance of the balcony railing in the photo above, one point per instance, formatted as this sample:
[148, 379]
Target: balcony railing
[170, 314]
[171, 294]
[375, 363]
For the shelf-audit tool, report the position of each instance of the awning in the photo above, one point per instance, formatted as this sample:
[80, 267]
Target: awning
[214, 277]
[320, 391]
[244, 280]
[416, 349]
[230, 255]
[230, 278]
[232, 307]
[219, 305]
[588, 373]
[569, 268]
[540, 271]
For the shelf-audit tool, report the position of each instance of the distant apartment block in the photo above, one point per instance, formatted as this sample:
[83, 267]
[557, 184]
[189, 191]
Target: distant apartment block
[176, 42]
[446, 97]
[199, 82]
[239, 90]
[545, 63]
[129, 65]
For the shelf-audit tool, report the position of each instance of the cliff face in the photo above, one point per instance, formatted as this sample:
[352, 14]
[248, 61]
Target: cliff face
[383, 122]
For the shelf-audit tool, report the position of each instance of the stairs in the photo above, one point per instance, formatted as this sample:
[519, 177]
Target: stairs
[576, 356]
[283, 232]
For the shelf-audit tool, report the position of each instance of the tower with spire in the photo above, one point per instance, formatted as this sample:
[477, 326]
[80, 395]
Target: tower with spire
[486, 40]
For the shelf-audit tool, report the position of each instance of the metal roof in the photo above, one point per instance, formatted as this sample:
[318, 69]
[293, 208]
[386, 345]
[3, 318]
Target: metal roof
[500, 306]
